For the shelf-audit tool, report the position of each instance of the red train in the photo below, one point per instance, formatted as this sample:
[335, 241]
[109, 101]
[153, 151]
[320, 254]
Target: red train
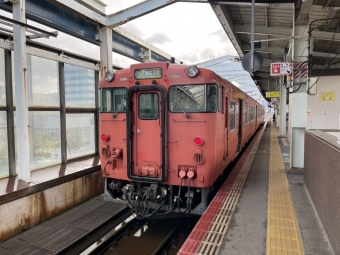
[168, 131]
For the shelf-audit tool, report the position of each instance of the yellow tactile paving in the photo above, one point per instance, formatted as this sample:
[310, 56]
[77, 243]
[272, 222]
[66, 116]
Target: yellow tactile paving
[283, 234]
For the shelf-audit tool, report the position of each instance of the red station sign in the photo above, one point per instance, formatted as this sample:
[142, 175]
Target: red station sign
[275, 68]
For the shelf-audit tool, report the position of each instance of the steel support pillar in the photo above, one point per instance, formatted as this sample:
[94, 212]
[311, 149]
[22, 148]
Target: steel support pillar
[105, 50]
[277, 113]
[298, 101]
[21, 92]
[283, 111]
[10, 113]
[96, 116]
[63, 139]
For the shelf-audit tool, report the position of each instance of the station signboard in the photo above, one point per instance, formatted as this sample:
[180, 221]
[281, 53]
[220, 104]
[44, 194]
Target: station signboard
[282, 68]
[272, 94]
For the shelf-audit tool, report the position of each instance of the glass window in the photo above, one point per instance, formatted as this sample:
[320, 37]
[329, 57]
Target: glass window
[79, 87]
[148, 106]
[220, 99]
[4, 171]
[232, 112]
[193, 98]
[2, 79]
[211, 98]
[43, 82]
[44, 139]
[80, 135]
[113, 100]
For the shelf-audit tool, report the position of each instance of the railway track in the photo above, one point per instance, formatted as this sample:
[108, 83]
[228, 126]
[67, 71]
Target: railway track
[149, 237]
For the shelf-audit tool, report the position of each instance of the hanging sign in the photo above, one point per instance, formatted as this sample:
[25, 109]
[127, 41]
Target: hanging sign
[285, 68]
[272, 94]
[275, 69]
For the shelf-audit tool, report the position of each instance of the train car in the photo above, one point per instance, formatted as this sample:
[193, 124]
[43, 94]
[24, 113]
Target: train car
[167, 132]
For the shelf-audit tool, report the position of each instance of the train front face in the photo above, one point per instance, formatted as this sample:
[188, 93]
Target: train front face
[157, 136]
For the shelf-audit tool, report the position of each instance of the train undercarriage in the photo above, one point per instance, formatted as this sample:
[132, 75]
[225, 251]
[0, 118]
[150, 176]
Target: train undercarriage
[158, 200]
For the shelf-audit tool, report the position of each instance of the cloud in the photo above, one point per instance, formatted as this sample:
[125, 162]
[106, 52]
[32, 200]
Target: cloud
[220, 34]
[158, 38]
[190, 58]
[229, 49]
[216, 32]
[133, 29]
[207, 54]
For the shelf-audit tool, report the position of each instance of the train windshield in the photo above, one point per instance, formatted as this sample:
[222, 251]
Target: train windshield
[193, 98]
[113, 100]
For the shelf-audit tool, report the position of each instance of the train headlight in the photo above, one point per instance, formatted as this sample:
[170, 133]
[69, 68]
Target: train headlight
[193, 71]
[109, 76]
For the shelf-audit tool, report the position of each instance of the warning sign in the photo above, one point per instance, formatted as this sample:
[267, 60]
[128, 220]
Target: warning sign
[275, 69]
[285, 68]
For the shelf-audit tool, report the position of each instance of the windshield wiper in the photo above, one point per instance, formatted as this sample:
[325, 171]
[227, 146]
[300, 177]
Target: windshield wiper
[191, 97]
[182, 108]
[118, 109]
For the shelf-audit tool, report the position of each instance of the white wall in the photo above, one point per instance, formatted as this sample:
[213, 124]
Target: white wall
[317, 118]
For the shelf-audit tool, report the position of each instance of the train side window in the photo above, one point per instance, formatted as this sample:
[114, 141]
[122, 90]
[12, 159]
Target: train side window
[220, 99]
[148, 106]
[252, 113]
[113, 100]
[232, 114]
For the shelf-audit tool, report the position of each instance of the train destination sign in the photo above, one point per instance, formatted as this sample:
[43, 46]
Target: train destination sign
[272, 94]
[148, 73]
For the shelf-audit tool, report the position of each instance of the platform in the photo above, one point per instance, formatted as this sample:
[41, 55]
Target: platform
[262, 208]
[52, 191]
[59, 234]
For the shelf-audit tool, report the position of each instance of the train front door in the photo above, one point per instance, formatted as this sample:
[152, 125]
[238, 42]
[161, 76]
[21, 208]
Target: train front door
[146, 141]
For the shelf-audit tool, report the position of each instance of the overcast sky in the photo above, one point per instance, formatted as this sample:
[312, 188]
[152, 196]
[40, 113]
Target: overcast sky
[190, 32]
